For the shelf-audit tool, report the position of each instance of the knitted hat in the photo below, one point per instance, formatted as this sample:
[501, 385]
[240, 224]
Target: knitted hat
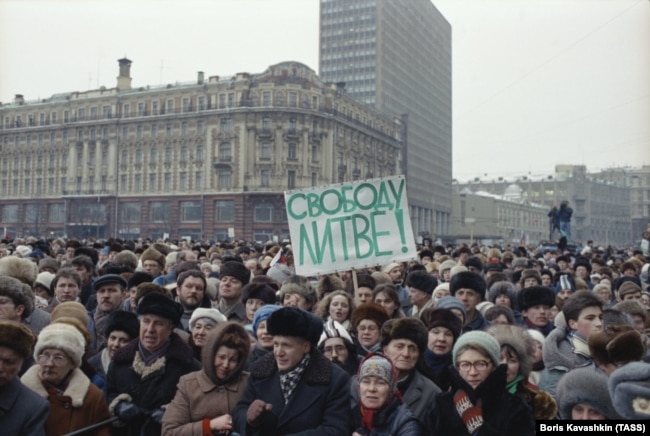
[440, 317]
[565, 282]
[450, 302]
[72, 309]
[262, 314]
[122, 321]
[107, 279]
[211, 314]
[290, 321]
[405, 328]
[23, 270]
[237, 270]
[17, 337]
[153, 254]
[137, 278]
[584, 385]
[44, 279]
[628, 288]
[519, 340]
[62, 337]
[376, 365]
[372, 311]
[616, 347]
[483, 340]
[158, 304]
[468, 280]
[334, 329]
[441, 287]
[493, 265]
[629, 387]
[298, 285]
[535, 296]
[49, 263]
[259, 291]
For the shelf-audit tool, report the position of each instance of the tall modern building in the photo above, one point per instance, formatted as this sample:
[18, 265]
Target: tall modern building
[396, 55]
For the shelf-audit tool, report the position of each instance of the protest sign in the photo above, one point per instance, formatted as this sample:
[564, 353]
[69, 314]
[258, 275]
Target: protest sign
[349, 225]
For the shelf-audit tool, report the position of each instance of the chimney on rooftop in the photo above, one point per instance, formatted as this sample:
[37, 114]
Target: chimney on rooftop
[200, 78]
[19, 99]
[124, 79]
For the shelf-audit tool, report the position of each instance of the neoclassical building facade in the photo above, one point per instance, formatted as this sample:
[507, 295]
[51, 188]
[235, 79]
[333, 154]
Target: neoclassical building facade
[209, 159]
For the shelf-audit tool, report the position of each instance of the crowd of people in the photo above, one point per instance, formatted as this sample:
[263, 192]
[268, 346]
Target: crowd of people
[177, 338]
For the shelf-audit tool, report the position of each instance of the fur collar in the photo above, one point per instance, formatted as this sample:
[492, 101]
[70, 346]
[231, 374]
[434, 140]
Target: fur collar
[558, 352]
[318, 371]
[76, 390]
[178, 351]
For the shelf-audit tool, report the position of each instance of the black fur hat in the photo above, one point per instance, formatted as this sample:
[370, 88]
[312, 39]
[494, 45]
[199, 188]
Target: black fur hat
[260, 291]
[158, 304]
[536, 295]
[468, 280]
[122, 321]
[290, 321]
[405, 328]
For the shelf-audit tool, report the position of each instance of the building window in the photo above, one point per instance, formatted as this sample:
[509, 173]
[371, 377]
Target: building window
[183, 157]
[104, 184]
[154, 107]
[10, 213]
[153, 155]
[224, 211]
[137, 183]
[293, 99]
[202, 103]
[124, 160]
[159, 211]
[126, 109]
[170, 106]
[167, 182]
[186, 105]
[266, 98]
[168, 129]
[231, 99]
[184, 128]
[265, 177]
[226, 124]
[168, 155]
[291, 179]
[265, 150]
[130, 212]
[191, 211]
[224, 176]
[141, 109]
[314, 153]
[292, 154]
[200, 153]
[314, 179]
[152, 182]
[138, 132]
[262, 235]
[279, 99]
[222, 101]
[138, 156]
[200, 127]
[198, 180]
[182, 181]
[263, 213]
[225, 151]
[64, 184]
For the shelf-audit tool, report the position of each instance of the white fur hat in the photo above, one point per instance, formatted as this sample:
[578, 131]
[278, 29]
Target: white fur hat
[63, 337]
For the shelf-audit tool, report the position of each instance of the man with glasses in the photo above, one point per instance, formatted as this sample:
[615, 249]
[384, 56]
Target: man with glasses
[336, 344]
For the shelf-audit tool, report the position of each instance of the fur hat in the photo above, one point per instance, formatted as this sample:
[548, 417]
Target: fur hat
[456, 269]
[528, 274]
[107, 279]
[371, 311]
[481, 339]
[536, 295]
[71, 309]
[49, 263]
[23, 270]
[334, 329]
[503, 287]
[19, 293]
[290, 321]
[474, 261]
[212, 314]
[519, 340]
[450, 302]
[127, 258]
[468, 280]
[153, 254]
[405, 328]
[446, 265]
[17, 337]
[390, 266]
[582, 261]
[44, 279]
[329, 283]
[629, 387]
[441, 287]
[146, 288]
[584, 385]
[62, 337]
[237, 270]
[122, 321]
[493, 265]
[156, 303]
[74, 322]
[421, 280]
[440, 317]
[628, 288]
[137, 278]
[632, 307]
[615, 347]
[376, 365]
[259, 291]
[279, 272]
[262, 314]
[298, 285]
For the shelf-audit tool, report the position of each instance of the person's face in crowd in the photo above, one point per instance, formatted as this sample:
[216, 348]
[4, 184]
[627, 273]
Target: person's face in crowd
[403, 353]
[418, 298]
[458, 314]
[69, 252]
[562, 265]
[368, 333]
[252, 304]
[84, 274]
[10, 364]
[629, 272]
[346, 276]
[583, 411]
[582, 273]
[339, 309]
[226, 360]
[632, 296]
[473, 367]
[191, 292]
[8, 309]
[154, 331]
[373, 392]
[426, 259]
[230, 287]
[216, 261]
[530, 281]
[439, 294]
[152, 267]
[537, 315]
[606, 281]
[110, 297]
[395, 274]
[638, 323]
[552, 313]
[445, 275]
[537, 352]
[563, 294]
[604, 294]
[500, 320]
[132, 293]
[335, 350]
[441, 340]
[645, 299]
[512, 362]
[102, 258]
[295, 300]
[40, 291]
[200, 331]
[364, 295]
[54, 365]
[116, 340]
[66, 289]
[386, 302]
[590, 320]
[263, 337]
[469, 297]
[503, 300]
[289, 351]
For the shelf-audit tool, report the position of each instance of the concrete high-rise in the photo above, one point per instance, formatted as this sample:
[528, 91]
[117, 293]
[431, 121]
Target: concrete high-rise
[396, 55]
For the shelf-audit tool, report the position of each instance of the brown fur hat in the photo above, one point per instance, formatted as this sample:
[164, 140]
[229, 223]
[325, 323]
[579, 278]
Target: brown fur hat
[632, 307]
[21, 269]
[17, 337]
[70, 309]
[372, 311]
[329, 283]
[441, 317]
[153, 254]
[405, 328]
[530, 273]
[147, 287]
[521, 342]
[126, 257]
[298, 285]
[623, 346]
[76, 323]
[49, 263]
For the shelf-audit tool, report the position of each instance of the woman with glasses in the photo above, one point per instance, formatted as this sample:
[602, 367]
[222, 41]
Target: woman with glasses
[75, 403]
[477, 401]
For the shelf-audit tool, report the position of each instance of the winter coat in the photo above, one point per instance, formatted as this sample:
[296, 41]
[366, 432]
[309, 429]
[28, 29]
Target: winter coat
[319, 406]
[504, 414]
[564, 214]
[541, 403]
[82, 404]
[22, 411]
[479, 323]
[394, 419]
[149, 387]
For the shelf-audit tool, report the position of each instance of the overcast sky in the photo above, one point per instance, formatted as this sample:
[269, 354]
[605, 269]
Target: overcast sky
[536, 82]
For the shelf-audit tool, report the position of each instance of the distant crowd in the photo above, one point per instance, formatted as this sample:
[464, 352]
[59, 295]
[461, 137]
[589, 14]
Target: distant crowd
[142, 337]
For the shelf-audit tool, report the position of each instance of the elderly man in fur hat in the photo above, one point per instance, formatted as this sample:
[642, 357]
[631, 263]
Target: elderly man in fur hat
[470, 288]
[153, 262]
[295, 389]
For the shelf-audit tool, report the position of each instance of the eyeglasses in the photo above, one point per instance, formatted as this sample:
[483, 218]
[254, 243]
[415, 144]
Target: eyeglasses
[338, 348]
[56, 359]
[370, 328]
[479, 365]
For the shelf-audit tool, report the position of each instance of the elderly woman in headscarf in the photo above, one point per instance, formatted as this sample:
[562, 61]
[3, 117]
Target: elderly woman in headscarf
[380, 410]
[205, 398]
[75, 402]
[202, 322]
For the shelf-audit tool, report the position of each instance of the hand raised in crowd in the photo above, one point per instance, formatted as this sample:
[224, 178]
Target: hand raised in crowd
[222, 424]
[256, 412]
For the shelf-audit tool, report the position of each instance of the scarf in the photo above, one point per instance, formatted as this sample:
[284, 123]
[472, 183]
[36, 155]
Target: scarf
[289, 379]
[512, 386]
[148, 358]
[437, 362]
[367, 417]
[579, 344]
